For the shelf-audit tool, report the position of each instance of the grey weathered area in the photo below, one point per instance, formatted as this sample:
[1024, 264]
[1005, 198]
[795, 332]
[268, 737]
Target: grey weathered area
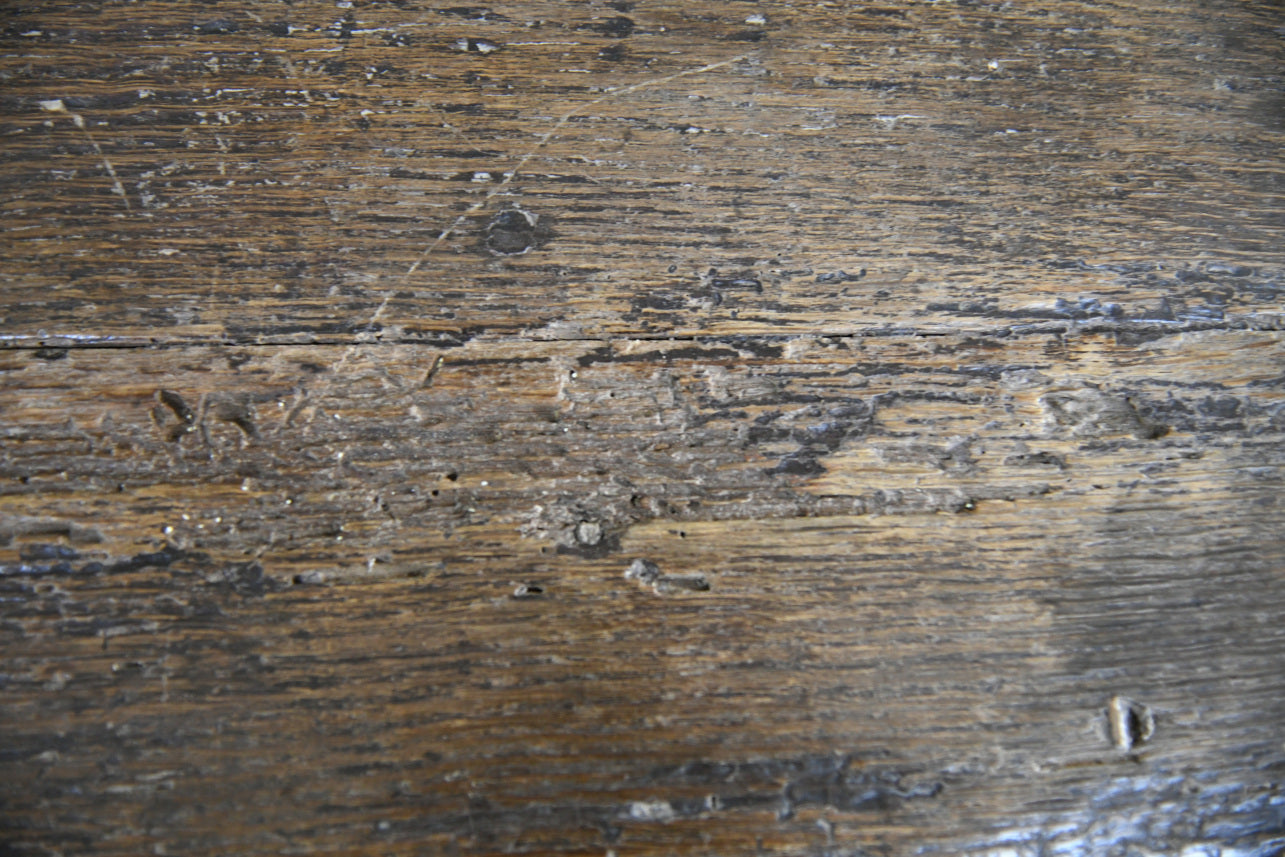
[642, 428]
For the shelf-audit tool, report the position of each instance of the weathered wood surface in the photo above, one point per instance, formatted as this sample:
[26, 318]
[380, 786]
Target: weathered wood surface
[270, 173]
[876, 450]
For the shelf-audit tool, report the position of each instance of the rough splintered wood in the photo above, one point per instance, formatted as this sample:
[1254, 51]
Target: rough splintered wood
[642, 428]
[931, 567]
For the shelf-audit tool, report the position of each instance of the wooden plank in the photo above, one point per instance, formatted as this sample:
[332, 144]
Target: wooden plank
[641, 428]
[951, 593]
[260, 173]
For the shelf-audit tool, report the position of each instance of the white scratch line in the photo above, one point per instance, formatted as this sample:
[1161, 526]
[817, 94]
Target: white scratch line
[57, 106]
[511, 174]
[540, 144]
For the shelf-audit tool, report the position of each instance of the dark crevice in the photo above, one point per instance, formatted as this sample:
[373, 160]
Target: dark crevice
[44, 347]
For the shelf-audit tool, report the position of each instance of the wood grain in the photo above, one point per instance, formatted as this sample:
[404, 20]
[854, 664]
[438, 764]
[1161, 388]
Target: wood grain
[642, 428]
[271, 173]
[395, 611]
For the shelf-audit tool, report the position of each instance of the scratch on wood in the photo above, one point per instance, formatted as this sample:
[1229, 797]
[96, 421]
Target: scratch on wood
[534, 150]
[509, 175]
[57, 105]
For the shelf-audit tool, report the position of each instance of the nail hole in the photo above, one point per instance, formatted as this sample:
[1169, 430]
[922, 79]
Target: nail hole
[1131, 723]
